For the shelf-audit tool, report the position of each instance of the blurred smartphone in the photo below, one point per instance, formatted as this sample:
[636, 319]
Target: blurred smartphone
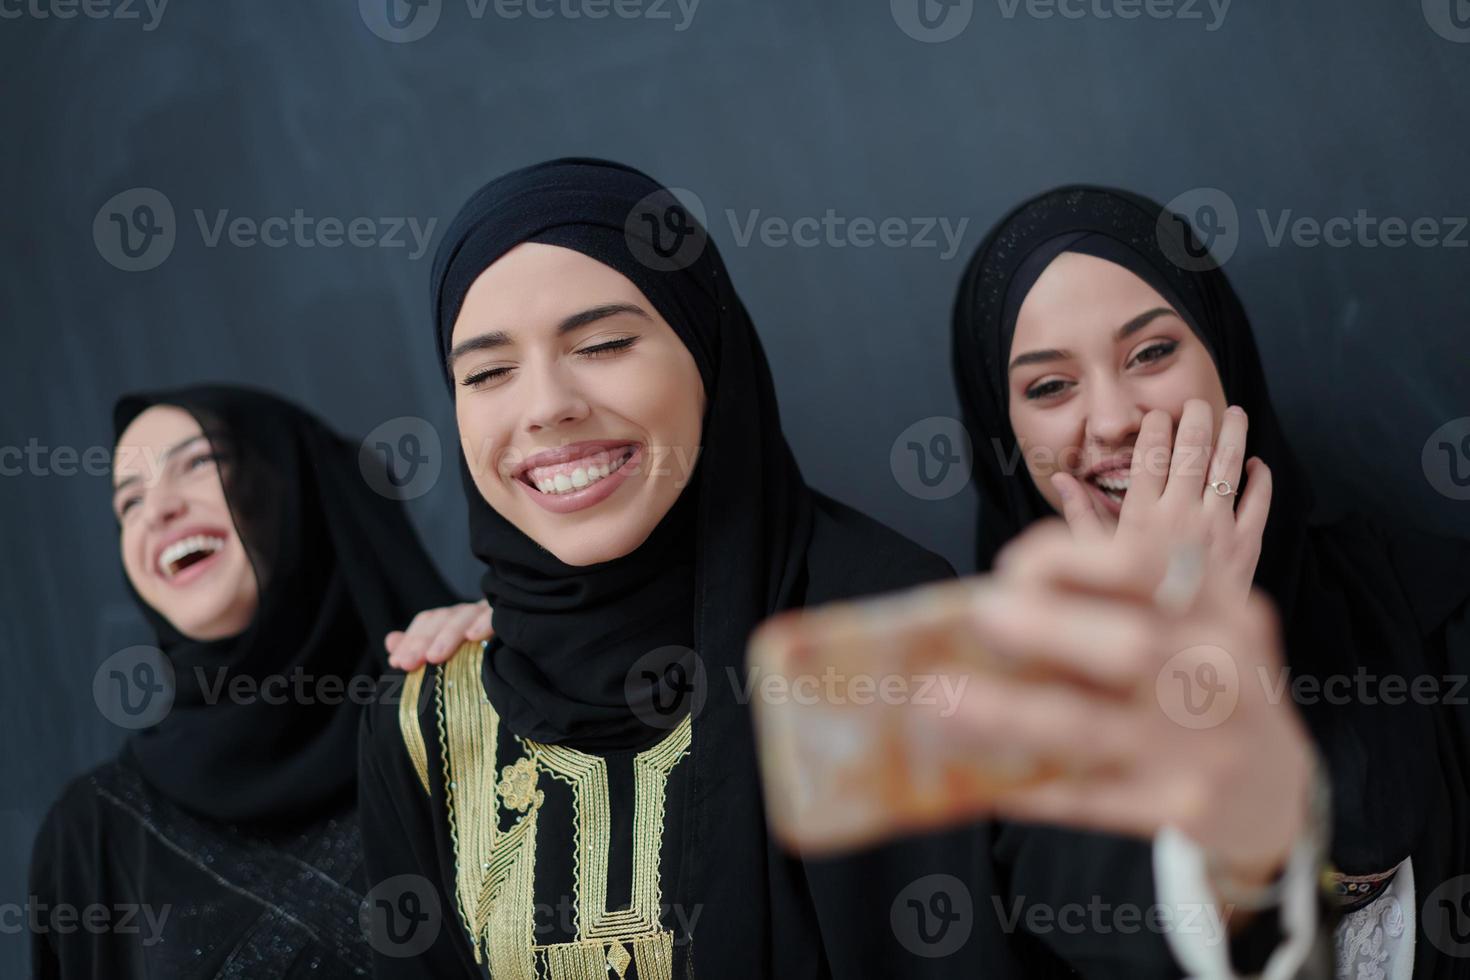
[849, 700]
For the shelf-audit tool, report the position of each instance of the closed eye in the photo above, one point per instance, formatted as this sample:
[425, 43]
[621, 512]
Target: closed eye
[609, 347]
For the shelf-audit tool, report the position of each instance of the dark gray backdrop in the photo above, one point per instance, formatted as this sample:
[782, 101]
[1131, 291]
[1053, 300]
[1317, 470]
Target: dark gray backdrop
[761, 108]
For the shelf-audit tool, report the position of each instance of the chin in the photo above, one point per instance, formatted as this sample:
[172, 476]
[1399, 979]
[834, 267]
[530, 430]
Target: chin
[589, 547]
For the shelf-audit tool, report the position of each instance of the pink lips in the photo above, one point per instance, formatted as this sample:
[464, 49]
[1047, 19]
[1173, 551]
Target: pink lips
[589, 496]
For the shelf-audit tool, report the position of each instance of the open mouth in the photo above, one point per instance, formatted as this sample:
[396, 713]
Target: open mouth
[1113, 485]
[577, 474]
[188, 552]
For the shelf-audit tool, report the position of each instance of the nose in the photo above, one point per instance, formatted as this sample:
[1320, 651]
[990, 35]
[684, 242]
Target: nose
[161, 505]
[1113, 413]
[553, 400]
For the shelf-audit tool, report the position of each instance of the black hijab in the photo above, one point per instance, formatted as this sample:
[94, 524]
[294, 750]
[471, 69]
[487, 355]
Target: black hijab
[1341, 608]
[337, 565]
[729, 553]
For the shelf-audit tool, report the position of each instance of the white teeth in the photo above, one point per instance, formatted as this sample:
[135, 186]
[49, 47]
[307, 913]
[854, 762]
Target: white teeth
[207, 543]
[1113, 483]
[581, 477]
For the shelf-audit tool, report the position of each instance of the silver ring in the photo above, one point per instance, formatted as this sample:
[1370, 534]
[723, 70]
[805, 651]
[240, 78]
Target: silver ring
[1222, 488]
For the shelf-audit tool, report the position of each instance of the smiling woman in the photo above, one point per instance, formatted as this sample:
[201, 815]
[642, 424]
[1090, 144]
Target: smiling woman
[178, 540]
[268, 570]
[551, 341]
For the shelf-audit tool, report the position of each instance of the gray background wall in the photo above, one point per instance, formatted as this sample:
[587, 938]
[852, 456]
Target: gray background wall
[761, 108]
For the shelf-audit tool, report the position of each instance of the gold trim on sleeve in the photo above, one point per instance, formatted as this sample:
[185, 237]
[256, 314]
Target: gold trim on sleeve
[408, 725]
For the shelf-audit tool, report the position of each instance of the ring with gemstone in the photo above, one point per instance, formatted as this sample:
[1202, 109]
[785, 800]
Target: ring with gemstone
[1222, 488]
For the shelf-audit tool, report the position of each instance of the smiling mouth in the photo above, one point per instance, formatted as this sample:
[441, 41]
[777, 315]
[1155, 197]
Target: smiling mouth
[188, 552]
[1114, 486]
[577, 474]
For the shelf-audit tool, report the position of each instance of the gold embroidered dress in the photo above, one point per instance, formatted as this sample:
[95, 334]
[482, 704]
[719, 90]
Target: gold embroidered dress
[560, 855]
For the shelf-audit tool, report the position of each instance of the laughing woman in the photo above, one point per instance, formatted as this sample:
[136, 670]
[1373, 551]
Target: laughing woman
[269, 572]
[1089, 330]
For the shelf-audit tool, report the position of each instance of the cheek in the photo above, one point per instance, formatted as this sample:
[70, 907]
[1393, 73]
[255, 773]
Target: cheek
[482, 443]
[1044, 438]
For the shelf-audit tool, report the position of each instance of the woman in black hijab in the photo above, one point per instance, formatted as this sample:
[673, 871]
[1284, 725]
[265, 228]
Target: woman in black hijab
[1396, 769]
[269, 571]
[581, 796]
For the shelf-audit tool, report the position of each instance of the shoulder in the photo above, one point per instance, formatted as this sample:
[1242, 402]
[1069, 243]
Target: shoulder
[852, 554]
[73, 828]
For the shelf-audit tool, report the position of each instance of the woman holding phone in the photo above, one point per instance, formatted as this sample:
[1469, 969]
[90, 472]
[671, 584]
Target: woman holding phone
[1108, 373]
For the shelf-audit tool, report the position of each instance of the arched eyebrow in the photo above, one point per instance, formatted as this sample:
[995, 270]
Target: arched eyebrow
[499, 338]
[1123, 333]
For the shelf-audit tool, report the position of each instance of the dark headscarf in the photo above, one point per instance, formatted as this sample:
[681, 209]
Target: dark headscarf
[728, 554]
[1341, 607]
[337, 564]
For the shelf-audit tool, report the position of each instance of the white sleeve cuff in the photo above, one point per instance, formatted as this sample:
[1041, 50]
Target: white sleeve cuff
[1182, 884]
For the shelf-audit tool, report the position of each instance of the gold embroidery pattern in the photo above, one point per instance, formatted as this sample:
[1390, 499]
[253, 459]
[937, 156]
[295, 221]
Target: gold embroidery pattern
[517, 785]
[408, 724]
[495, 869]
